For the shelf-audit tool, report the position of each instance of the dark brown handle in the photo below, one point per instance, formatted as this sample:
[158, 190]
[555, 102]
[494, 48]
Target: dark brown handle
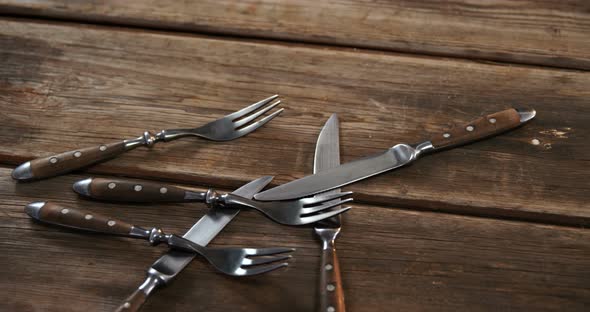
[132, 191]
[76, 218]
[478, 129]
[331, 292]
[133, 303]
[65, 162]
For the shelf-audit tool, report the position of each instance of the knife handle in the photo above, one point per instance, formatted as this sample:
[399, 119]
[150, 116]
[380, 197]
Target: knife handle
[135, 191]
[77, 219]
[331, 292]
[482, 127]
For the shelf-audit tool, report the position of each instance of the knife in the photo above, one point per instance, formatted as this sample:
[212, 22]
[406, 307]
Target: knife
[327, 155]
[170, 264]
[397, 156]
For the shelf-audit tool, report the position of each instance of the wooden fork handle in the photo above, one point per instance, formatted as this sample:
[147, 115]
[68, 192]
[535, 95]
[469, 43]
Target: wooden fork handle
[54, 165]
[133, 303]
[482, 127]
[76, 218]
[331, 291]
[134, 191]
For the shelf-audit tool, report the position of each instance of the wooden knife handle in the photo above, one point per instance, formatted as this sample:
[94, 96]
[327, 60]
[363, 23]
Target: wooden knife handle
[65, 162]
[133, 303]
[331, 292]
[134, 191]
[481, 128]
[76, 218]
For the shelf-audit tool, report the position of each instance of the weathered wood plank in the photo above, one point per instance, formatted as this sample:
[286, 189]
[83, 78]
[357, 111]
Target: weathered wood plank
[69, 86]
[545, 32]
[391, 260]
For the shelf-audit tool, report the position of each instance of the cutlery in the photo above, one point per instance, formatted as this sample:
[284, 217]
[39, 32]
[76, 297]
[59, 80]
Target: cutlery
[231, 261]
[295, 212]
[168, 266]
[227, 128]
[327, 155]
[397, 156]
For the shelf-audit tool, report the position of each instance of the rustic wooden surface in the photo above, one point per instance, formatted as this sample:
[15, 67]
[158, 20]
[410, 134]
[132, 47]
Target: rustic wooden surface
[546, 32]
[390, 258]
[78, 86]
[429, 237]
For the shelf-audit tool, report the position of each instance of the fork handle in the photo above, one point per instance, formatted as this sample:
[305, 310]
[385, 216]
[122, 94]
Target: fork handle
[135, 191]
[76, 218]
[331, 292]
[134, 302]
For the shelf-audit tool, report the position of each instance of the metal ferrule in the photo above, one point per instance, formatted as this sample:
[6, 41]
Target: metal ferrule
[146, 139]
[212, 198]
[422, 148]
[151, 283]
[156, 237]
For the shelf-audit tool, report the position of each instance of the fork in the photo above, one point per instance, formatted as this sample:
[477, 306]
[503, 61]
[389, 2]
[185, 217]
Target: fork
[231, 261]
[227, 128]
[295, 212]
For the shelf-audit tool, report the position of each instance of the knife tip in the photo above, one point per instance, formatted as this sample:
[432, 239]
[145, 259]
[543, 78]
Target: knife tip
[34, 209]
[82, 187]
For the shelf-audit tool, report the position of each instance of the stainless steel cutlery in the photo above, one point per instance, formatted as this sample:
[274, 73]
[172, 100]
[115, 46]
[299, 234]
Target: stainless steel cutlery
[227, 128]
[167, 267]
[327, 155]
[397, 156]
[231, 261]
[295, 212]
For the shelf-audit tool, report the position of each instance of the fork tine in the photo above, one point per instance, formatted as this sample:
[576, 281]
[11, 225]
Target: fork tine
[251, 108]
[267, 251]
[327, 205]
[322, 216]
[258, 124]
[246, 120]
[264, 260]
[264, 269]
[324, 198]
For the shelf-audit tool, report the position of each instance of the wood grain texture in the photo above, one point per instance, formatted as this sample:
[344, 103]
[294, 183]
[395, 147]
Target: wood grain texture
[67, 86]
[390, 259]
[545, 32]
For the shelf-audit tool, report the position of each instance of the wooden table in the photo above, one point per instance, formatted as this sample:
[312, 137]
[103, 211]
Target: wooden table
[500, 225]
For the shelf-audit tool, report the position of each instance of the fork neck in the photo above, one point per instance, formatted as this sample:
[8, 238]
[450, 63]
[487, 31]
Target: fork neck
[231, 200]
[146, 139]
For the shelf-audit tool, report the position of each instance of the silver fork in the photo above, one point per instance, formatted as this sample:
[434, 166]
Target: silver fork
[294, 212]
[231, 261]
[227, 128]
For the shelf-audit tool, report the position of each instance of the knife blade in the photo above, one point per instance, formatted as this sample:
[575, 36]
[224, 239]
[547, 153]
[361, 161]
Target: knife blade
[397, 156]
[173, 262]
[327, 155]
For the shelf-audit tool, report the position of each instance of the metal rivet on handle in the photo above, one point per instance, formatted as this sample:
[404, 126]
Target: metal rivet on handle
[163, 190]
[111, 223]
[102, 148]
[330, 287]
[492, 120]
[65, 211]
[446, 135]
[53, 160]
[138, 188]
[112, 185]
[328, 267]
[469, 128]
[330, 309]
[127, 305]
[77, 154]
[88, 217]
